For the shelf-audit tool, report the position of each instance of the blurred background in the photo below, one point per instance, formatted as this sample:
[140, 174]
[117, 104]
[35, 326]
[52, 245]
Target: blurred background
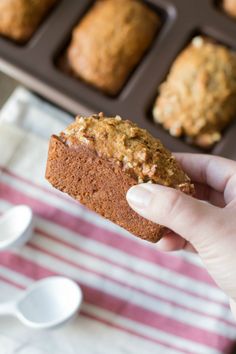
[66, 57]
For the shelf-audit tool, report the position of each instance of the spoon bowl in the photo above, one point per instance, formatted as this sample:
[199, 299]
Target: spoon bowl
[16, 227]
[48, 303]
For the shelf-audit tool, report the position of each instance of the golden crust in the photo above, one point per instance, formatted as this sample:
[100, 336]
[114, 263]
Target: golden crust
[198, 98]
[20, 18]
[109, 42]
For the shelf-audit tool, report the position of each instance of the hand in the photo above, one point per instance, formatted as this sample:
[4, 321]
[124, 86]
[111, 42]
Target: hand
[207, 228]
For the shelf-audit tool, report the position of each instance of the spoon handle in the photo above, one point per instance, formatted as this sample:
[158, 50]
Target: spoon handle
[8, 308]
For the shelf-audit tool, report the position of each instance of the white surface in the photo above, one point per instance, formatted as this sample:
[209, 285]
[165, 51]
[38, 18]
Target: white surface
[16, 227]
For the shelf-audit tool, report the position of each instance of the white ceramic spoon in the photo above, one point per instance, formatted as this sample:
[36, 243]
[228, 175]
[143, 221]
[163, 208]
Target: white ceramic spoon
[46, 304]
[16, 227]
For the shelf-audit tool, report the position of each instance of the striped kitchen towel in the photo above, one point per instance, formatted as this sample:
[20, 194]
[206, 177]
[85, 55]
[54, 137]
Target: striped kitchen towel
[136, 299]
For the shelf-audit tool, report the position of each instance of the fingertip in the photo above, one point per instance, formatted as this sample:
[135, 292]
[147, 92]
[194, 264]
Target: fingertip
[140, 195]
[171, 242]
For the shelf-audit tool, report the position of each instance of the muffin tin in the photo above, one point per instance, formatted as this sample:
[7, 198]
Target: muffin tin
[35, 64]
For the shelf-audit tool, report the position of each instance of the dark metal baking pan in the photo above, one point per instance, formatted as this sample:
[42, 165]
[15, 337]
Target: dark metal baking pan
[35, 64]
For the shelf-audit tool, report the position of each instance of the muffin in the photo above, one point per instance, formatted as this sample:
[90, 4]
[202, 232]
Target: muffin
[97, 159]
[20, 18]
[229, 7]
[110, 41]
[198, 98]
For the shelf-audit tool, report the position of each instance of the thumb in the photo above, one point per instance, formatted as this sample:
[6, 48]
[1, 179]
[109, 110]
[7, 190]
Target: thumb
[193, 219]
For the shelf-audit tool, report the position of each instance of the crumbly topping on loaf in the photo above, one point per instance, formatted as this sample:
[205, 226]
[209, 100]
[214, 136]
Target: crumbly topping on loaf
[198, 98]
[138, 152]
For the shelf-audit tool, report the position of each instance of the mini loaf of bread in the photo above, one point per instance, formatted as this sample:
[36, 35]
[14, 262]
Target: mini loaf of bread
[198, 98]
[20, 18]
[229, 7]
[110, 41]
[97, 159]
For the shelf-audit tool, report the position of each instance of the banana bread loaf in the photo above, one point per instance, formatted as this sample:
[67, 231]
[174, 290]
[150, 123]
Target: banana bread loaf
[20, 18]
[110, 41]
[97, 159]
[229, 7]
[198, 98]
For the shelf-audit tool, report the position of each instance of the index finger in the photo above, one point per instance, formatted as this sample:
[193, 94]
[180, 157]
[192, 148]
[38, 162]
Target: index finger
[217, 172]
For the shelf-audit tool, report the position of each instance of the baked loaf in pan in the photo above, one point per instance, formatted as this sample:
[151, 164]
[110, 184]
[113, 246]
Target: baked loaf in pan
[230, 7]
[97, 159]
[20, 18]
[198, 98]
[109, 42]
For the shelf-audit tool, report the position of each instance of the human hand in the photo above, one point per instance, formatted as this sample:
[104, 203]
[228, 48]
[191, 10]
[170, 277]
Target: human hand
[207, 228]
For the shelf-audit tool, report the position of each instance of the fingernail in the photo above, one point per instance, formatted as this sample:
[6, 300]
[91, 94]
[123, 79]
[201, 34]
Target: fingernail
[139, 197]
